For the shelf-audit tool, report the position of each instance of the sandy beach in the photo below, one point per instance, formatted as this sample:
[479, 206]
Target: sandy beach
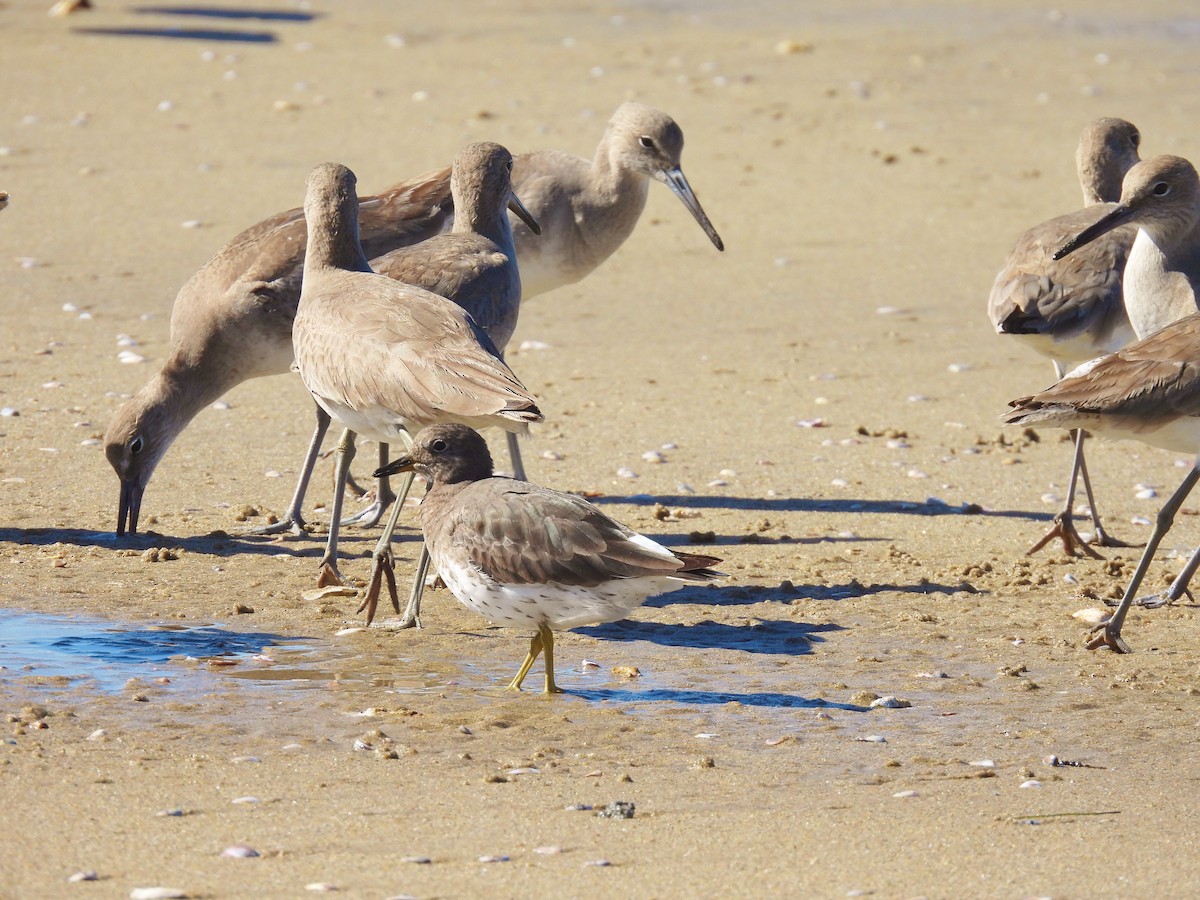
[824, 397]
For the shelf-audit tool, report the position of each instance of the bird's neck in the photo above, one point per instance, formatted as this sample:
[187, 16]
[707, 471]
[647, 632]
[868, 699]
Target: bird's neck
[333, 242]
[1156, 292]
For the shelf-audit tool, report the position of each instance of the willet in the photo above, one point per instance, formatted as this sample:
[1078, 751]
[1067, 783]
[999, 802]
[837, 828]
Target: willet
[521, 554]
[232, 321]
[382, 357]
[587, 208]
[1161, 197]
[1150, 392]
[1071, 310]
[474, 266]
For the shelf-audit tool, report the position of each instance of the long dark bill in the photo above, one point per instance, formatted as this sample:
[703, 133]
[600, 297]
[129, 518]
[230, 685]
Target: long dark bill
[522, 213]
[130, 506]
[395, 467]
[1114, 219]
[673, 178]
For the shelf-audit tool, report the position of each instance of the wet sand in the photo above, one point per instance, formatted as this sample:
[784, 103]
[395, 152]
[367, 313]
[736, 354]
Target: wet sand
[830, 390]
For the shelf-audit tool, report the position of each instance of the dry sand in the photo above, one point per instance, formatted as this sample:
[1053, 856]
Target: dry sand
[868, 178]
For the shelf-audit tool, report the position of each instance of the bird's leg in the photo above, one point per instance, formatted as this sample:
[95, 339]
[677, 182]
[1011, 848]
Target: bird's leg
[412, 612]
[383, 496]
[514, 455]
[1111, 636]
[382, 559]
[535, 647]
[1103, 538]
[1178, 587]
[293, 521]
[1064, 526]
[548, 655]
[345, 453]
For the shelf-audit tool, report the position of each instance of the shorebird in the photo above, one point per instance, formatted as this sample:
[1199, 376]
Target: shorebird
[232, 320]
[382, 357]
[521, 554]
[1150, 392]
[587, 208]
[1072, 310]
[1161, 197]
[474, 265]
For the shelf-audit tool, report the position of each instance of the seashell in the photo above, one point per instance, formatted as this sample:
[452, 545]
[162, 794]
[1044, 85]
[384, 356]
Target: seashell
[240, 851]
[1092, 616]
[334, 590]
[904, 794]
[157, 893]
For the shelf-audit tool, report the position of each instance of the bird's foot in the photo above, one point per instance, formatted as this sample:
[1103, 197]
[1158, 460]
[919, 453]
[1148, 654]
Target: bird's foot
[367, 518]
[293, 523]
[1109, 637]
[383, 566]
[329, 576]
[1104, 539]
[1162, 598]
[1064, 529]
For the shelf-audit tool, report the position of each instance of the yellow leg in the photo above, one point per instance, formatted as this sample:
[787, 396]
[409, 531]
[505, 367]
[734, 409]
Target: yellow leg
[535, 647]
[548, 652]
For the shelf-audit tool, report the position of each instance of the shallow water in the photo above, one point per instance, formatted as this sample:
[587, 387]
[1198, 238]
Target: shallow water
[105, 655]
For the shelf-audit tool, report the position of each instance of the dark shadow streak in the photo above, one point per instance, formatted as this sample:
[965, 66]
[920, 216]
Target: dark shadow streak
[784, 638]
[220, 12]
[712, 698]
[187, 34]
[807, 504]
[746, 595]
[212, 544]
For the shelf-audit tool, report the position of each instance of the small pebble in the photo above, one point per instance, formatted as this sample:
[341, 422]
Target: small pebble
[598, 862]
[493, 859]
[240, 851]
[321, 887]
[551, 850]
[904, 794]
[872, 739]
[245, 800]
[959, 367]
[416, 860]
[8, 412]
[890, 703]
[653, 456]
[1031, 783]
[626, 472]
[157, 893]
[983, 763]
[1139, 520]
[86, 875]
[1146, 494]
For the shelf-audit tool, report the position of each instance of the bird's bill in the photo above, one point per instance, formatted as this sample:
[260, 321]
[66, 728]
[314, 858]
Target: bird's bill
[673, 178]
[395, 467]
[130, 506]
[522, 213]
[1115, 219]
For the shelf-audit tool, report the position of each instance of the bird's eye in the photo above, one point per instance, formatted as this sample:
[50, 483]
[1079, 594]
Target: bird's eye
[136, 445]
[1136, 139]
[438, 446]
[1162, 189]
[509, 165]
[646, 141]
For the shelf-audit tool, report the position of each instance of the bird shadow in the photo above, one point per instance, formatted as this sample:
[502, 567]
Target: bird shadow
[215, 543]
[773, 637]
[931, 507]
[787, 592]
[192, 34]
[223, 12]
[771, 699]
